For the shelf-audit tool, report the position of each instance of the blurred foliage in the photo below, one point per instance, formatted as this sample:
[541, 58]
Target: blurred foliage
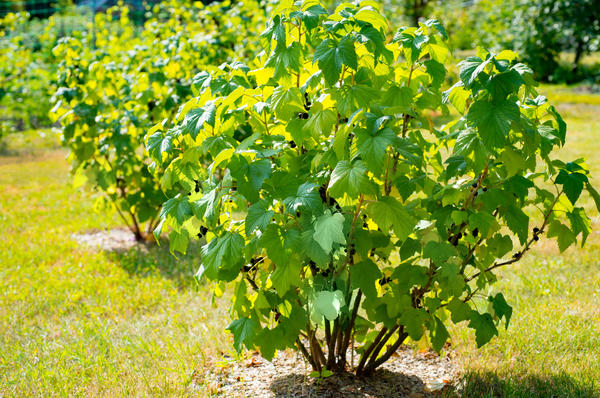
[116, 81]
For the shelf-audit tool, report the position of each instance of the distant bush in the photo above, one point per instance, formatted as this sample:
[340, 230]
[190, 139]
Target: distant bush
[26, 76]
[116, 83]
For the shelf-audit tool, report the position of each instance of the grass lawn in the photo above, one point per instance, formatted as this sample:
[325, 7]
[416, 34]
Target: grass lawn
[75, 321]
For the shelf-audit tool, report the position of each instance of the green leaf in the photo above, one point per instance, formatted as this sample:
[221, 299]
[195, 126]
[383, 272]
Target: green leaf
[352, 97]
[562, 126]
[258, 217]
[328, 304]
[437, 72]
[222, 252]
[349, 178]
[195, 119]
[320, 123]
[250, 176]
[314, 251]
[398, 99]
[178, 241]
[243, 331]
[564, 235]
[363, 276]
[388, 213]
[501, 308]
[517, 221]
[502, 84]
[306, 197]
[572, 184]
[493, 120]
[331, 55]
[439, 252]
[177, 208]
[457, 96]
[513, 161]
[310, 16]
[484, 327]
[438, 334]
[484, 222]
[580, 223]
[413, 320]
[286, 102]
[471, 68]
[594, 194]
[159, 144]
[207, 207]
[286, 276]
[328, 230]
[285, 60]
[438, 26]
[459, 311]
[372, 147]
[372, 16]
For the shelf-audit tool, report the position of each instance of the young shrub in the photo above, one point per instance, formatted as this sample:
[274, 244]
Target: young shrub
[338, 211]
[25, 76]
[110, 93]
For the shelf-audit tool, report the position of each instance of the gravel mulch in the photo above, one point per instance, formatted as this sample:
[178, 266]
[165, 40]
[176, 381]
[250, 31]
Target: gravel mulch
[118, 239]
[407, 374]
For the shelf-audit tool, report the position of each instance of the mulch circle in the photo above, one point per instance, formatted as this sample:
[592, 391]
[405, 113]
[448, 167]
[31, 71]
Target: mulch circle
[407, 374]
[112, 240]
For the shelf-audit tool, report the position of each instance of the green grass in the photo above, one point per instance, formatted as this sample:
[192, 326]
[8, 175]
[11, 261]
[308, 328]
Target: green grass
[74, 321]
[77, 321]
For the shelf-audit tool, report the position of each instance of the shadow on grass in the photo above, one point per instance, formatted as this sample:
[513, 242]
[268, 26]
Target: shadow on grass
[489, 384]
[383, 383]
[152, 259]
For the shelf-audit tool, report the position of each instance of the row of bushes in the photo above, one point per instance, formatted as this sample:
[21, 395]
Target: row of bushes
[540, 31]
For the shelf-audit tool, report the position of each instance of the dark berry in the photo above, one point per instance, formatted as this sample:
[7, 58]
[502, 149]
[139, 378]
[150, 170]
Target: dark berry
[474, 185]
[203, 230]
[323, 193]
[383, 281]
[344, 120]
[460, 235]
[352, 251]
[475, 232]
[484, 189]
[536, 238]
[292, 144]
[365, 225]
[298, 214]
[536, 230]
